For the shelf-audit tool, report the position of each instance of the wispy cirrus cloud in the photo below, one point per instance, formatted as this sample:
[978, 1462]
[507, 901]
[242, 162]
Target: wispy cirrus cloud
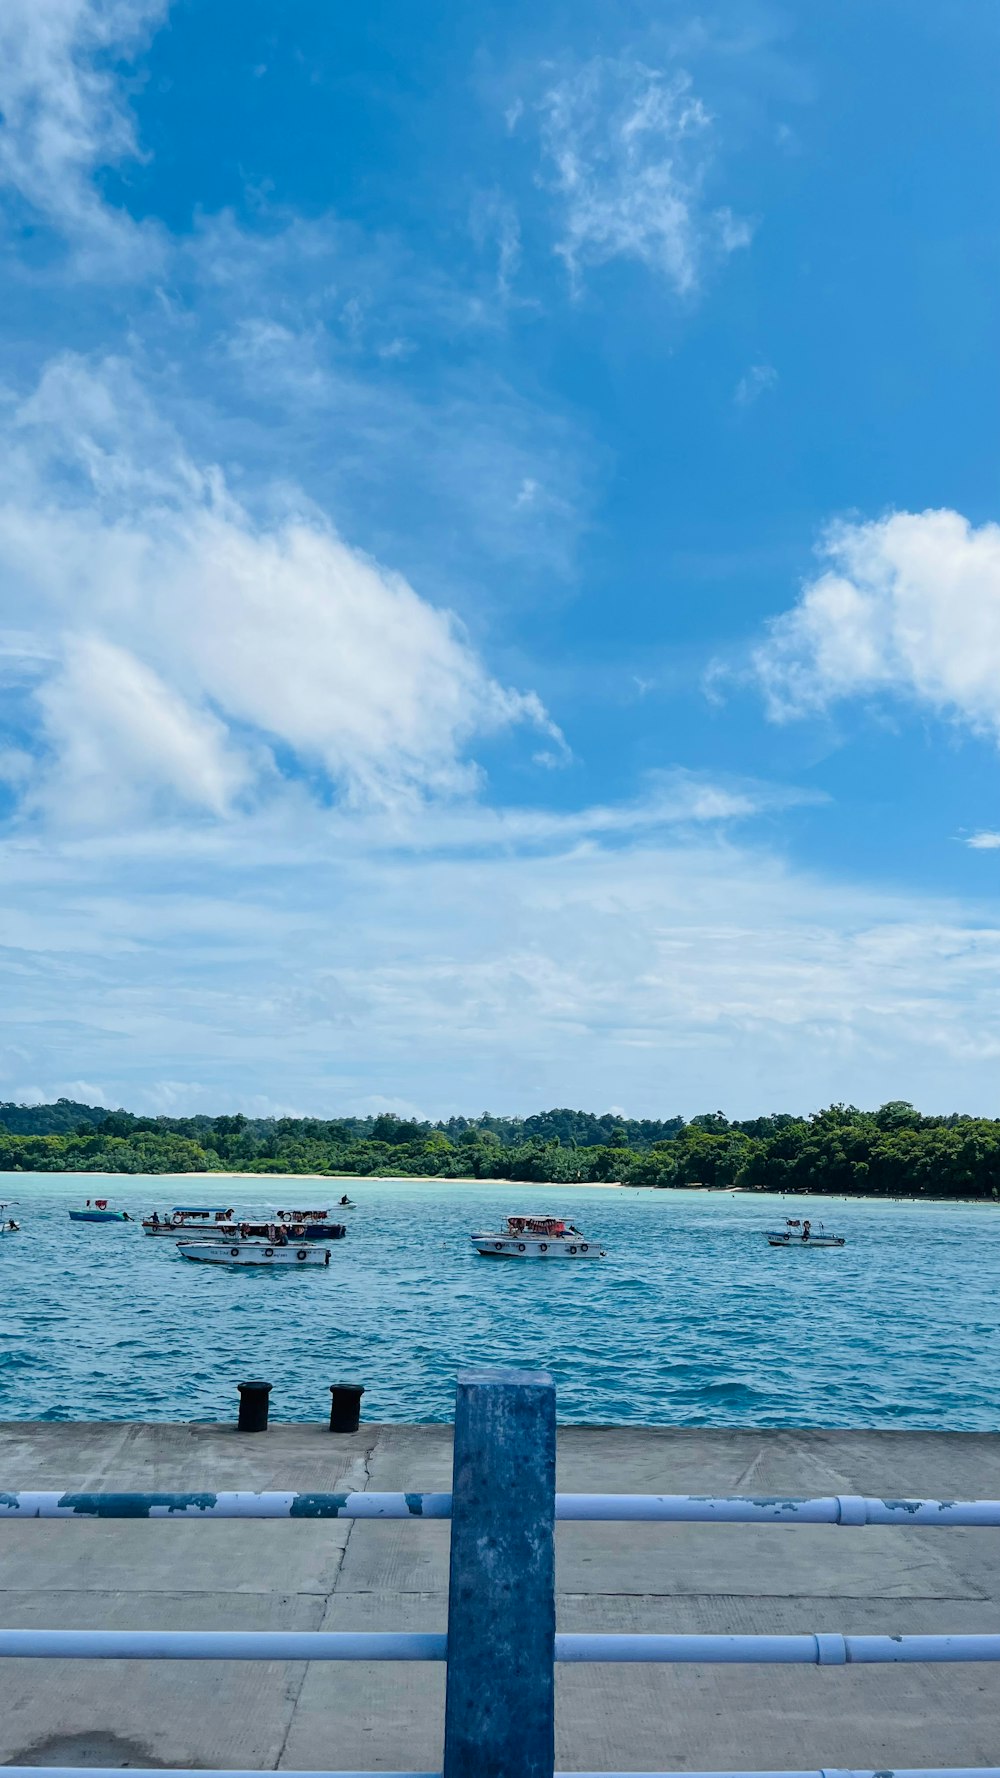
[627, 151]
[753, 384]
[65, 117]
[282, 960]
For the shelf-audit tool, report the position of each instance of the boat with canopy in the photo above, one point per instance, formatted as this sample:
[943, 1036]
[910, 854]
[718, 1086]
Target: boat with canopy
[802, 1232]
[536, 1237]
[186, 1216]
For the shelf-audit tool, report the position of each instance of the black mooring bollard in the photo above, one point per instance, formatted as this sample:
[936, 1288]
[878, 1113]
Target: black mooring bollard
[253, 1407]
[345, 1406]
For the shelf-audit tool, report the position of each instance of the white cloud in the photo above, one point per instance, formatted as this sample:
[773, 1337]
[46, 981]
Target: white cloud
[629, 149]
[124, 741]
[987, 841]
[64, 116]
[653, 972]
[753, 383]
[909, 606]
[197, 645]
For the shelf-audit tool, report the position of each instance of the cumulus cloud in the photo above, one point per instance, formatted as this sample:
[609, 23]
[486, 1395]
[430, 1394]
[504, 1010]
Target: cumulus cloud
[986, 841]
[628, 151]
[908, 606]
[64, 115]
[190, 651]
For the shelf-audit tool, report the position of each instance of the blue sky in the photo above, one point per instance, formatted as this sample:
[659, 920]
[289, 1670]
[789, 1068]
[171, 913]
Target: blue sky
[499, 572]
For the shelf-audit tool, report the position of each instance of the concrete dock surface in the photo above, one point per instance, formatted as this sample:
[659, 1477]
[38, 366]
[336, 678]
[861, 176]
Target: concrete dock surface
[393, 1575]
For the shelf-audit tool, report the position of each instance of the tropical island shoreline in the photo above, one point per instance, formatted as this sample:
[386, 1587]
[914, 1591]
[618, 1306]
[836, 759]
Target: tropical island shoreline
[894, 1152]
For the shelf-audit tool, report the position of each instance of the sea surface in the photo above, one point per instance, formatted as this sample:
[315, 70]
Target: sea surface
[691, 1320]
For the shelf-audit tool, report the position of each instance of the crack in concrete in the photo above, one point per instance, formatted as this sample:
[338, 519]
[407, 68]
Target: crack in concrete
[366, 1461]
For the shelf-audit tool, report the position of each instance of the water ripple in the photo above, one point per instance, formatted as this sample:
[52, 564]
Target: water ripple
[691, 1320]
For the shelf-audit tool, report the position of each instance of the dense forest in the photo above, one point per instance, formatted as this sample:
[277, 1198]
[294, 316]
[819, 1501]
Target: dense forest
[894, 1151]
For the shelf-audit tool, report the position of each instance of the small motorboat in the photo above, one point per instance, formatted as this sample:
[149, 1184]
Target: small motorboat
[799, 1232]
[310, 1225]
[183, 1217]
[253, 1253]
[98, 1212]
[7, 1224]
[536, 1237]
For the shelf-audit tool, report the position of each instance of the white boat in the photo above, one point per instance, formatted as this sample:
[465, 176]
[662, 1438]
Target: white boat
[183, 1218]
[799, 1232]
[7, 1224]
[253, 1253]
[536, 1237]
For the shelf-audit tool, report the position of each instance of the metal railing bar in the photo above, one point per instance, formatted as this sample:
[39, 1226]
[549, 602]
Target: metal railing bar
[750, 1509]
[238, 1504]
[201, 1772]
[758, 1509]
[223, 1645]
[821, 1649]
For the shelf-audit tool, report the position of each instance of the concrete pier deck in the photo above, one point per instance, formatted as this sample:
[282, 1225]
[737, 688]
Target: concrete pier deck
[302, 1574]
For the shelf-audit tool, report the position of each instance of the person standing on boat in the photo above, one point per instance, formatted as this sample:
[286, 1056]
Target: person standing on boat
[805, 1230]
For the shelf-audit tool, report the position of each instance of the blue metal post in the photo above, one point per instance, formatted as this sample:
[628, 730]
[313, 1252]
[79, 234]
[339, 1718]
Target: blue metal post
[499, 1713]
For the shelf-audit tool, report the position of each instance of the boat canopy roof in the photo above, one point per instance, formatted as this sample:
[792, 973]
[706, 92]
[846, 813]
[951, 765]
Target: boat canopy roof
[198, 1209]
[301, 1215]
[537, 1225]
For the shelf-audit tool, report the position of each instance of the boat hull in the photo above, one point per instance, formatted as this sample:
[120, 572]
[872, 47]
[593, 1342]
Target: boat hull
[555, 1247]
[97, 1216]
[813, 1241]
[253, 1253]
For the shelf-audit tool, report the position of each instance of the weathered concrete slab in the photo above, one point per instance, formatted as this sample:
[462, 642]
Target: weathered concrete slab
[183, 1713]
[393, 1575]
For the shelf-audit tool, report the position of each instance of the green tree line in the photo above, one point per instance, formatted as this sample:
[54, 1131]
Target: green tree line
[894, 1151]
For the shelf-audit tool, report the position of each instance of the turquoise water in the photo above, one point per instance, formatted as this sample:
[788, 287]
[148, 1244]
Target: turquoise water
[691, 1320]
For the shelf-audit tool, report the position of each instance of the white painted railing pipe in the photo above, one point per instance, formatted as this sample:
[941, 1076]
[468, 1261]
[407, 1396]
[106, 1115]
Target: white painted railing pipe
[223, 1645]
[833, 1509]
[822, 1649]
[755, 1509]
[237, 1504]
[201, 1772]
